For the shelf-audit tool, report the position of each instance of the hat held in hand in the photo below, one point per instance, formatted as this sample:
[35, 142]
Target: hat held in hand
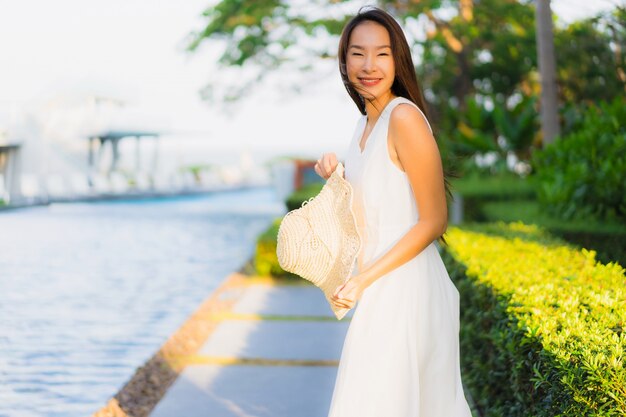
[320, 240]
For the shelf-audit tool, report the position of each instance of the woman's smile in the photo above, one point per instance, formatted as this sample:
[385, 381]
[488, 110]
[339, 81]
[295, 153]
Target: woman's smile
[369, 82]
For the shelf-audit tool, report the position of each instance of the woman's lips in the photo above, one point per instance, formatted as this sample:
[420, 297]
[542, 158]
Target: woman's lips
[369, 82]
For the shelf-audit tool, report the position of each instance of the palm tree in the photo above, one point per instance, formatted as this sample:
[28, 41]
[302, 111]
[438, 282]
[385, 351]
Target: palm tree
[547, 71]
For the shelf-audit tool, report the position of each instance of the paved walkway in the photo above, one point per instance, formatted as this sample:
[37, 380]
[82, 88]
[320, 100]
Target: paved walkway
[274, 353]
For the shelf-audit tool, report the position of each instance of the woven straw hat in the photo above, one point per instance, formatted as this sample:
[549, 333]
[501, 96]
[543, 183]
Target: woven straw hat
[320, 240]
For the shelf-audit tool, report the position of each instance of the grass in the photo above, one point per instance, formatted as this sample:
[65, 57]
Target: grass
[529, 211]
[493, 187]
[510, 198]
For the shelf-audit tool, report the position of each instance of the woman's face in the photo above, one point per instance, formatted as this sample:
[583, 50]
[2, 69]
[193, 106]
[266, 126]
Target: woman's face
[369, 61]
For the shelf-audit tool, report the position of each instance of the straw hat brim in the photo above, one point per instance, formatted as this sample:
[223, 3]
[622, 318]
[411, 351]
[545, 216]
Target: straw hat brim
[325, 221]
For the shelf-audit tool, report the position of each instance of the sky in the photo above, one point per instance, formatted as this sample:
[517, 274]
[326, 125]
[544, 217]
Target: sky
[132, 50]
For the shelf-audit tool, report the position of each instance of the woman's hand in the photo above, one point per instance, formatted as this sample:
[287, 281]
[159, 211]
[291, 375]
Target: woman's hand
[347, 294]
[326, 165]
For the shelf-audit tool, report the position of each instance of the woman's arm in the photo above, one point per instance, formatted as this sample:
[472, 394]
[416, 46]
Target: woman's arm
[419, 156]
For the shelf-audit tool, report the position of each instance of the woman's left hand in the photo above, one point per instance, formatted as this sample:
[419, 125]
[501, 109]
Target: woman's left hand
[347, 294]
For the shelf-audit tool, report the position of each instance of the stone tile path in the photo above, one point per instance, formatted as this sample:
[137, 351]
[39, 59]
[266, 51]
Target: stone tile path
[274, 353]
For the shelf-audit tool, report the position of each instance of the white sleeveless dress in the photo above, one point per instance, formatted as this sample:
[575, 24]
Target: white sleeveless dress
[400, 356]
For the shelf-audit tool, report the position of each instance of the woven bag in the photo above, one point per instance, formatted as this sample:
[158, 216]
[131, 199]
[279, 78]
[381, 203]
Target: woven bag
[320, 240]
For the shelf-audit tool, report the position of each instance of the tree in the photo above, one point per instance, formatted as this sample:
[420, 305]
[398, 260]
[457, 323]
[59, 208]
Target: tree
[547, 69]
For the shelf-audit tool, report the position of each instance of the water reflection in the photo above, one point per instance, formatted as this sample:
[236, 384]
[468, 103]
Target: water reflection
[88, 292]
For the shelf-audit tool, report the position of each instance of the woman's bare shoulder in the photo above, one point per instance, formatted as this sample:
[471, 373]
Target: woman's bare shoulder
[408, 123]
[407, 116]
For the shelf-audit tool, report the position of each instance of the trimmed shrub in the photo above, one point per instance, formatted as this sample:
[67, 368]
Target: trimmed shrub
[265, 262]
[582, 174]
[265, 259]
[606, 238]
[296, 198]
[542, 329]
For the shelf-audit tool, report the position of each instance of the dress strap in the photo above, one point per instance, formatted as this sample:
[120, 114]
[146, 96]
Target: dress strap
[390, 106]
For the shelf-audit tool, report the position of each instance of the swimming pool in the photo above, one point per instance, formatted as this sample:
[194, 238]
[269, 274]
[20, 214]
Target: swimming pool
[89, 291]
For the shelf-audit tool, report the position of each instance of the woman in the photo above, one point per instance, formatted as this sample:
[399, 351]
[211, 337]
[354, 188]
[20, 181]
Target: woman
[400, 357]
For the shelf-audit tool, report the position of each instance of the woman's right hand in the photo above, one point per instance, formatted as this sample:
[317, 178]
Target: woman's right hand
[326, 165]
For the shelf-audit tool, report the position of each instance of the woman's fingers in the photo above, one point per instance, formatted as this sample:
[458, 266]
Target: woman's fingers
[326, 165]
[330, 163]
[344, 303]
[339, 288]
[317, 169]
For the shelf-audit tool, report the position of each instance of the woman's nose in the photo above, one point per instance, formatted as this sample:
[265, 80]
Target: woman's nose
[368, 63]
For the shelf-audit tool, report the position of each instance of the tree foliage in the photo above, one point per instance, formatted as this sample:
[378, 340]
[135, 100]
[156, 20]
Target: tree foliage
[467, 53]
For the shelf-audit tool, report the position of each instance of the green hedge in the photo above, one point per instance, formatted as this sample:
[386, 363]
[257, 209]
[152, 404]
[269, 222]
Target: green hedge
[265, 259]
[606, 238]
[296, 198]
[542, 323]
[581, 175]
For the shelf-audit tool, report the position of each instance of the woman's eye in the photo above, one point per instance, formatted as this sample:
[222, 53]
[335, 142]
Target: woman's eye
[384, 54]
[356, 53]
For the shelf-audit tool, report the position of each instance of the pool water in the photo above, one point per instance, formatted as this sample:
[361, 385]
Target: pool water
[89, 291]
